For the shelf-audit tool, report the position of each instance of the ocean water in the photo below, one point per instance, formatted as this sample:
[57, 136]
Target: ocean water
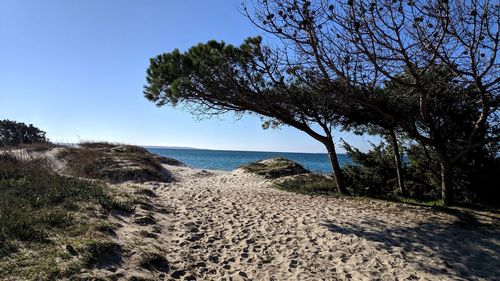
[230, 160]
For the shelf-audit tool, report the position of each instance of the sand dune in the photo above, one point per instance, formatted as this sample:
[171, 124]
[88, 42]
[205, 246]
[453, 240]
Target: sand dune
[230, 226]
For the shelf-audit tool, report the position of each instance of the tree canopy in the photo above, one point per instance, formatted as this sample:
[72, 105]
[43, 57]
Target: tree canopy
[14, 133]
[215, 78]
[425, 70]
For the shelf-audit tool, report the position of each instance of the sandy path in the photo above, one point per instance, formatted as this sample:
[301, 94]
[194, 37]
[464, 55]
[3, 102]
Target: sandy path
[230, 226]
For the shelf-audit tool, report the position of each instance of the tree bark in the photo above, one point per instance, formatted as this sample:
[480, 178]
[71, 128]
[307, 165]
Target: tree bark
[337, 171]
[397, 161]
[446, 182]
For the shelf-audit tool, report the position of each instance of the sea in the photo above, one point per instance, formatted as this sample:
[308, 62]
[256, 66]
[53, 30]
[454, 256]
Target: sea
[229, 160]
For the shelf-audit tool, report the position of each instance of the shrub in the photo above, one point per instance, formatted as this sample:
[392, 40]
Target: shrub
[307, 184]
[372, 174]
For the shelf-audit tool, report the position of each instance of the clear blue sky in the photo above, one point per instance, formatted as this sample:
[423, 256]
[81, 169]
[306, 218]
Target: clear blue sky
[76, 69]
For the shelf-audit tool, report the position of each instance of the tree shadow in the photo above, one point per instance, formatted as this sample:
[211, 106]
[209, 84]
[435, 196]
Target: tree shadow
[467, 248]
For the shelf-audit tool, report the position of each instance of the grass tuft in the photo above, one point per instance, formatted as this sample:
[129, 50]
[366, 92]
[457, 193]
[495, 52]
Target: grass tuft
[146, 192]
[147, 219]
[101, 253]
[154, 260]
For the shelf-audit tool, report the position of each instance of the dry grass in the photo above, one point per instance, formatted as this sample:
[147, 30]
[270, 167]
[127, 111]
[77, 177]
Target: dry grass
[46, 219]
[113, 163]
[154, 261]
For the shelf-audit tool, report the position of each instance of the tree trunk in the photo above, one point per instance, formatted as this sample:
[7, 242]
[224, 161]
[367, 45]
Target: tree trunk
[446, 182]
[397, 161]
[20, 135]
[337, 171]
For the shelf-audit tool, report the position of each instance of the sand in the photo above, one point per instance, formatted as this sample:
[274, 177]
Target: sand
[213, 225]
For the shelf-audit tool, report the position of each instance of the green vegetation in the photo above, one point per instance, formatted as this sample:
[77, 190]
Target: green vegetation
[15, 133]
[113, 163]
[373, 174]
[307, 184]
[438, 88]
[274, 168]
[46, 219]
[33, 199]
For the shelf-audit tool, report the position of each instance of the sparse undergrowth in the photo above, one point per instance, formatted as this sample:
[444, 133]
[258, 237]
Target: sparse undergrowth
[307, 184]
[316, 184]
[275, 168]
[147, 219]
[51, 226]
[113, 163]
[101, 253]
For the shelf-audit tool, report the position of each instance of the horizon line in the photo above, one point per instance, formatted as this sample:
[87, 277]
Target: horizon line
[189, 147]
[235, 150]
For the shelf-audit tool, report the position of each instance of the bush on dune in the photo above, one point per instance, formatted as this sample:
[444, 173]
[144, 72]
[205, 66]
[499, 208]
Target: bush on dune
[275, 168]
[290, 176]
[113, 163]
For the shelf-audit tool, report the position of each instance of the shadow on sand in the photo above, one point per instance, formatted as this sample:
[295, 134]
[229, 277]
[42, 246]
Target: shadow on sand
[467, 248]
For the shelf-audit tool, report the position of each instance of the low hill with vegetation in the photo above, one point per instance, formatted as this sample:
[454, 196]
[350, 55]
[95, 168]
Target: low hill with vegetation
[61, 207]
[115, 163]
[53, 226]
[275, 168]
[290, 176]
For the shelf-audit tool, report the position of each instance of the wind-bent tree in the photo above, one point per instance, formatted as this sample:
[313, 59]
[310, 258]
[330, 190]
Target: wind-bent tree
[14, 133]
[368, 43]
[215, 78]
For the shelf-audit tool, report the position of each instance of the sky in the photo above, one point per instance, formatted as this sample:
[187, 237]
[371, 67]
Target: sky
[76, 69]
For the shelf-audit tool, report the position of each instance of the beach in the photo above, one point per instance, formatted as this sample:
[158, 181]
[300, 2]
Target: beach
[215, 225]
[250, 140]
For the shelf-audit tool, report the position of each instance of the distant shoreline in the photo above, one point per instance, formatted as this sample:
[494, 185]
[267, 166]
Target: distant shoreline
[232, 150]
[229, 160]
